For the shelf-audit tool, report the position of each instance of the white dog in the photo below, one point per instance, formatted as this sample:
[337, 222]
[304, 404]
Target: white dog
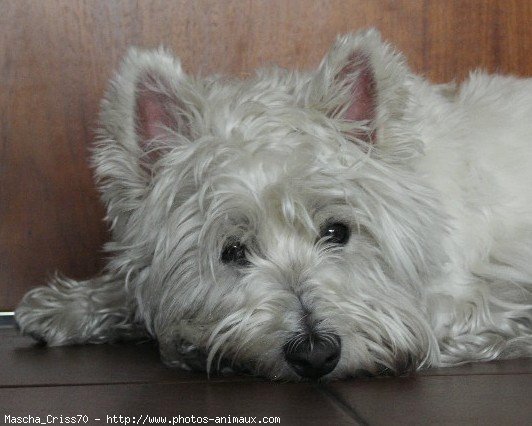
[350, 220]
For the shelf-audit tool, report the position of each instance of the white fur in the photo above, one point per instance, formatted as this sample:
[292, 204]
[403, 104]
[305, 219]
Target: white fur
[438, 268]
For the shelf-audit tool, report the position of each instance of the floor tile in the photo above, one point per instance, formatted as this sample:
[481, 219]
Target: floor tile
[23, 363]
[294, 404]
[446, 400]
[511, 366]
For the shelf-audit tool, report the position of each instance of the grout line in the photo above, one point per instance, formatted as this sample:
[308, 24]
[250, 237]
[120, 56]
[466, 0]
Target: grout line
[322, 388]
[509, 373]
[143, 382]
[342, 404]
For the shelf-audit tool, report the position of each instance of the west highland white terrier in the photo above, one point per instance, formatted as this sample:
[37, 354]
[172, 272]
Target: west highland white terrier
[350, 220]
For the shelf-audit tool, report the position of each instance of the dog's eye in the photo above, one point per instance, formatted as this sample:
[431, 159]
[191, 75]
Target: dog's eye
[336, 233]
[234, 252]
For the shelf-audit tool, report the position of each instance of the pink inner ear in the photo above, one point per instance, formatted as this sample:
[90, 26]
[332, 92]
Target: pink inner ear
[363, 106]
[152, 116]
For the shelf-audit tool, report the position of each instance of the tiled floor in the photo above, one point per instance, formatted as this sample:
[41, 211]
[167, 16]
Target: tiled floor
[128, 380]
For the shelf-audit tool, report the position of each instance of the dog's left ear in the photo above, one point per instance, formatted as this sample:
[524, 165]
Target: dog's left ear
[361, 82]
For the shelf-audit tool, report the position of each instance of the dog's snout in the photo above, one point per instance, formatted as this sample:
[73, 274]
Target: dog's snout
[313, 356]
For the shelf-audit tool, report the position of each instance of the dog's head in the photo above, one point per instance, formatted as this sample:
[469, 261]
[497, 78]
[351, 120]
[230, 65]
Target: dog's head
[272, 222]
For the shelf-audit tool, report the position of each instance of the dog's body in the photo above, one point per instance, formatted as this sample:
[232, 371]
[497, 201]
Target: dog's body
[351, 219]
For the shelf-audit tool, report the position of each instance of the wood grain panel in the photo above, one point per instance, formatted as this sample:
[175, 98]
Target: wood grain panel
[492, 35]
[58, 54]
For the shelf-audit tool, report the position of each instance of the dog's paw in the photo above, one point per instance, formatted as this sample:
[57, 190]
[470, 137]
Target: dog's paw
[183, 355]
[74, 312]
[48, 316]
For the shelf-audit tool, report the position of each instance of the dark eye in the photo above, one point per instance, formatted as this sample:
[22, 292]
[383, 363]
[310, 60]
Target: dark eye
[234, 252]
[336, 233]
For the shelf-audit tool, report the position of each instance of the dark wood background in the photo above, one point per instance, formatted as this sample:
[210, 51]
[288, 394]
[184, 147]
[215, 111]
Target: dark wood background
[56, 56]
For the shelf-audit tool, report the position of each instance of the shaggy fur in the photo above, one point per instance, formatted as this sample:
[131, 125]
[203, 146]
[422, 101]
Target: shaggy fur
[433, 184]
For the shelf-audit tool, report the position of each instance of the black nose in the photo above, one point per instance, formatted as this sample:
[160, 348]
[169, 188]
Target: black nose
[313, 356]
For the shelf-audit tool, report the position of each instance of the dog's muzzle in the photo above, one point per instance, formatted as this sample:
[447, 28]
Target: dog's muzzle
[313, 355]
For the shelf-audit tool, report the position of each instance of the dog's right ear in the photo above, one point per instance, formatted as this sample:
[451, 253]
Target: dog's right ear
[149, 101]
[150, 107]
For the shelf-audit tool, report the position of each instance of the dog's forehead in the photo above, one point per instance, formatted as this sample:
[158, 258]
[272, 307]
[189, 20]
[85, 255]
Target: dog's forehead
[271, 102]
[273, 180]
[252, 165]
[264, 143]
[277, 158]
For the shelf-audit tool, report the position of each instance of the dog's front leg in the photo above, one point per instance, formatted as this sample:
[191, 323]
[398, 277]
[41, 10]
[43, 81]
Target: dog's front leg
[73, 312]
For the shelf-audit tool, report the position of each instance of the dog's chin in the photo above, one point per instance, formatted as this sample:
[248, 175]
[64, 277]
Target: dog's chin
[278, 371]
[281, 371]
